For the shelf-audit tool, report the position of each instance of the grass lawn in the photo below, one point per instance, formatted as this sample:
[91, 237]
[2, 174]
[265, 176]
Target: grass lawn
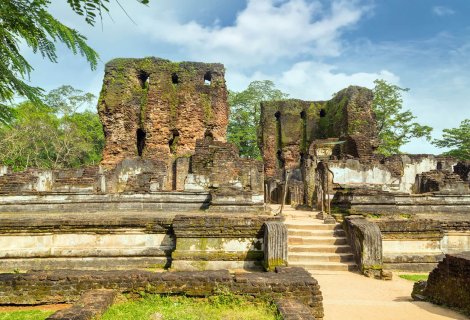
[414, 277]
[25, 315]
[228, 307]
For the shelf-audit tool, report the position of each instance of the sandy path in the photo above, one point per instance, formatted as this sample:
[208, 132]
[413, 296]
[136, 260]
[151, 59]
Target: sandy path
[351, 296]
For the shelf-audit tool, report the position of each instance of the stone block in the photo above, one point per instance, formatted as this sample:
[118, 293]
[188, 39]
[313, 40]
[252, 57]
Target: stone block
[275, 245]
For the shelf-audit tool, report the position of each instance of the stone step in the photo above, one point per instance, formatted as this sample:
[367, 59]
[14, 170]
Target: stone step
[296, 257]
[312, 226]
[320, 248]
[330, 266]
[304, 233]
[318, 233]
[316, 240]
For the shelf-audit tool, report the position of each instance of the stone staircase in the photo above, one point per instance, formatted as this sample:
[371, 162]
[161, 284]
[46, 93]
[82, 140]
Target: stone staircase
[314, 245]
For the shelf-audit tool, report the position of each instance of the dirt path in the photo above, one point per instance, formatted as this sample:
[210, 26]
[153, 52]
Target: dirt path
[44, 307]
[351, 296]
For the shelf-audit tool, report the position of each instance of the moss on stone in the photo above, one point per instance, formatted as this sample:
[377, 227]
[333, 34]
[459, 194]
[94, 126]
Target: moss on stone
[206, 103]
[271, 264]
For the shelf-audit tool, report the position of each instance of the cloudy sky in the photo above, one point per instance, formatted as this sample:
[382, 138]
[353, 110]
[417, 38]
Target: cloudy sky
[309, 48]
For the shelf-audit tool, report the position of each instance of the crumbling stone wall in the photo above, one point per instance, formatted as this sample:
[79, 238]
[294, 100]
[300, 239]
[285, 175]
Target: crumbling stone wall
[156, 109]
[68, 285]
[219, 165]
[442, 182]
[349, 116]
[462, 168]
[289, 127]
[449, 283]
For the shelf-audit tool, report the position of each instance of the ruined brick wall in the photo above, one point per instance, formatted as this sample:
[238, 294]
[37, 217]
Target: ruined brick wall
[462, 168]
[289, 127]
[68, 285]
[221, 166]
[349, 116]
[155, 108]
[449, 283]
[443, 182]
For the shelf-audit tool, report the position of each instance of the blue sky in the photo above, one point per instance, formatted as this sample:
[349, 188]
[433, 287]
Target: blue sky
[309, 48]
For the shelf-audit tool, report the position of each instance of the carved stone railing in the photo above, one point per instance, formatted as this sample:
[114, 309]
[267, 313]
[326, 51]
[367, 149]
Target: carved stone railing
[365, 240]
[275, 245]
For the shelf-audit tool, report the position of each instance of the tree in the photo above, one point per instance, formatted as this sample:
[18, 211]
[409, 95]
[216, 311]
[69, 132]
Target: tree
[395, 127]
[29, 22]
[43, 136]
[458, 139]
[245, 115]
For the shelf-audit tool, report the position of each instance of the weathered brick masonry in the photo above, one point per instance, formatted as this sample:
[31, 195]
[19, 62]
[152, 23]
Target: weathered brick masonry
[449, 282]
[68, 285]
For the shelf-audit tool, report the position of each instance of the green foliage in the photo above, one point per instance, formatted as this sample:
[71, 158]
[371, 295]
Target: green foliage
[395, 127]
[53, 135]
[25, 315]
[227, 307]
[457, 139]
[28, 22]
[245, 115]
[90, 8]
[415, 277]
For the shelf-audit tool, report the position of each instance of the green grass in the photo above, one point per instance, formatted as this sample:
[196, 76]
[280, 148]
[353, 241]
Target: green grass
[25, 315]
[226, 307]
[414, 277]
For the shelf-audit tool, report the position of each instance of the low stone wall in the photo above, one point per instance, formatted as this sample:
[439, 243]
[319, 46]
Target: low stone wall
[418, 244]
[405, 243]
[126, 240]
[449, 283]
[66, 286]
[388, 203]
[73, 202]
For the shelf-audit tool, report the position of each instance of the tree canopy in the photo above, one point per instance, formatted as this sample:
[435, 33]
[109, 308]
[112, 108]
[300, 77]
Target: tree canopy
[395, 126]
[53, 134]
[245, 115]
[457, 139]
[29, 22]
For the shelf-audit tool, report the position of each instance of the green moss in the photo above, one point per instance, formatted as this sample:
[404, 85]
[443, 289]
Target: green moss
[199, 265]
[146, 64]
[415, 277]
[206, 102]
[406, 215]
[356, 126]
[273, 263]
[372, 267]
[374, 215]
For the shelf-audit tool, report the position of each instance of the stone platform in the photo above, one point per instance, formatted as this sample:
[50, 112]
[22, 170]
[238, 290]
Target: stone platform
[122, 240]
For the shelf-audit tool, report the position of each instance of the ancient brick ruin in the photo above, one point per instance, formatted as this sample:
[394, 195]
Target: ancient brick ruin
[289, 127]
[448, 283]
[157, 109]
[165, 128]
[171, 193]
[412, 208]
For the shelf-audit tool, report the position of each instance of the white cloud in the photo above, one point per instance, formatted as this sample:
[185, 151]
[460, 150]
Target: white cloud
[265, 32]
[442, 11]
[318, 81]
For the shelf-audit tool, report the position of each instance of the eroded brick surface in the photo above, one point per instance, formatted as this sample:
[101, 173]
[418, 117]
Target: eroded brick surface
[68, 285]
[91, 305]
[156, 108]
